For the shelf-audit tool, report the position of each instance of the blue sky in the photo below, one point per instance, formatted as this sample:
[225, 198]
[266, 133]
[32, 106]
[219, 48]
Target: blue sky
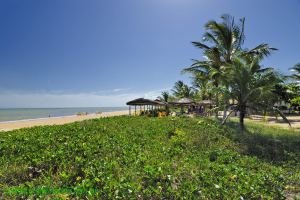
[57, 53]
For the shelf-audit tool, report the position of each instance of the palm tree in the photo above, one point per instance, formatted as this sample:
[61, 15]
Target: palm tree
[165, 97]
[202, 85]
[227, 39]
[224, 42]
[296, 70]
[250, 84]
[181, 90]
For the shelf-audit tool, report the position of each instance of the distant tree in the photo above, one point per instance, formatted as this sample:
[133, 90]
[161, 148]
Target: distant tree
[281, 91]
[181, 90]
[202, 86]
[296, 102]
[293, 90]
[165, 97]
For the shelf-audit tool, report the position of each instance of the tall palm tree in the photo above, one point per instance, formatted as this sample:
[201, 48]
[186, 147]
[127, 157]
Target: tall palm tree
[250, 84]
[220, 44]
[181, 90]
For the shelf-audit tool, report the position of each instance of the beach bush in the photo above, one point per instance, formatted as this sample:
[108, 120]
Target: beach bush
[147, 158]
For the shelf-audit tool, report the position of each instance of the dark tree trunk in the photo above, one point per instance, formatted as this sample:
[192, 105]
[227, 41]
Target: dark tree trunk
[217, 104]
[265, 115]
[242, 116]
[217, 100]
[167, 109]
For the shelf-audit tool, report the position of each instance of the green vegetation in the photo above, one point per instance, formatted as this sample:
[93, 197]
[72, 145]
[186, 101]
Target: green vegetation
[182, 90]
[232, 77]
[170, 158]
[149, 158]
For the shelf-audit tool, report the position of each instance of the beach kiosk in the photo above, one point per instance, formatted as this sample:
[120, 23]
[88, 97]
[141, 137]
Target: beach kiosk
[182, 103]
[144, 105]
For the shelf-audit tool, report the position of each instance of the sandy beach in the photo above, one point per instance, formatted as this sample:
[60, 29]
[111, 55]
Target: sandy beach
[12, 125]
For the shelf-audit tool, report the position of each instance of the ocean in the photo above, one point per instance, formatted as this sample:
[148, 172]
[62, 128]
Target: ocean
[13, 114]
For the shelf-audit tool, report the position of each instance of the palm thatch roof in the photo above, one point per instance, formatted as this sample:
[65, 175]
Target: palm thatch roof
[183, 101]
[143, 102]
[206, 102]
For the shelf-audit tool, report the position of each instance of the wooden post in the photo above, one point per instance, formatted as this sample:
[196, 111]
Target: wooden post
[152, 110]
[129, 110]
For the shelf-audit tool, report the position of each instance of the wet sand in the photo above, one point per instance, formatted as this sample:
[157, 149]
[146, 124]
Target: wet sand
[12, 125]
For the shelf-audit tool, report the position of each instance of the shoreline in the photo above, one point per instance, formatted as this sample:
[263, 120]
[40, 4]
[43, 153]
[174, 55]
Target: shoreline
[27, 123]
[40, 118]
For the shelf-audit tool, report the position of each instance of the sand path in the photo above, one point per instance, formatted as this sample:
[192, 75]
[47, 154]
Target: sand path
[272, 121]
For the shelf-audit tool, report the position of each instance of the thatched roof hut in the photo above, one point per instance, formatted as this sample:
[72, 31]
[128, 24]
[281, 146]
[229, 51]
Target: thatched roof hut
[144, 104]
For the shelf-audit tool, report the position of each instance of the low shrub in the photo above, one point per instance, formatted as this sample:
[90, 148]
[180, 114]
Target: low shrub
[136, 157]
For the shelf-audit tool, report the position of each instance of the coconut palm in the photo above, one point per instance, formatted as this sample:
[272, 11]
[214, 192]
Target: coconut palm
[202, 85]
[181, 90]
[223, 40]
[165, 97]
[220, 44]
[227, 38]
[250, 84]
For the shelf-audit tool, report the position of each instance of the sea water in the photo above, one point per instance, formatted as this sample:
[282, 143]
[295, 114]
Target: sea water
[13, 114]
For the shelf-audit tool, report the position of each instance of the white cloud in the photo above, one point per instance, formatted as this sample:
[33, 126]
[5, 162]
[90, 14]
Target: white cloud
[120, 89]
[60, 99]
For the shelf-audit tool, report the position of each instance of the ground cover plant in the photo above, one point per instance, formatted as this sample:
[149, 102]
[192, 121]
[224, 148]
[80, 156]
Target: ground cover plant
[148, 158]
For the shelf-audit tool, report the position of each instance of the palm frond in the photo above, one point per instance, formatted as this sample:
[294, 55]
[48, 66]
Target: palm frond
[200, 45]
[210, 37]
[262, 50]
[241, 33]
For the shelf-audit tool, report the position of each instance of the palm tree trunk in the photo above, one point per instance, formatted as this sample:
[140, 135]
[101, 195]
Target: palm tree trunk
[217, 105]
[226, 104]
[225, 112]
[217, 99]
[225, 109]
[242, 116]
[265, 115]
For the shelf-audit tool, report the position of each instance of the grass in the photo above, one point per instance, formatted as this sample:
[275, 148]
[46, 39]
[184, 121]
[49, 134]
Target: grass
[149, 158]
